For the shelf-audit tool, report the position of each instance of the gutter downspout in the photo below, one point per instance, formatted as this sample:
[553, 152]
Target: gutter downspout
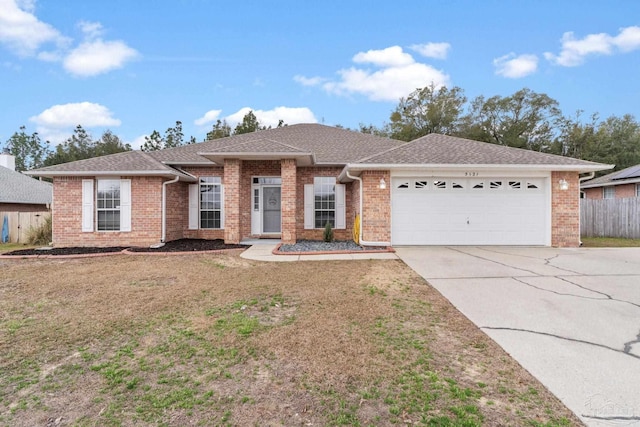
[363, 242]
[164, 209]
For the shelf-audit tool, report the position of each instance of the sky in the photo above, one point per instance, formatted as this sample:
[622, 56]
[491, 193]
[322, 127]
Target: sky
[138, 66]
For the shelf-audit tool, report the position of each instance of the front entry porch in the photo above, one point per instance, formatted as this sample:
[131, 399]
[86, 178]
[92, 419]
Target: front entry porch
[266, 209]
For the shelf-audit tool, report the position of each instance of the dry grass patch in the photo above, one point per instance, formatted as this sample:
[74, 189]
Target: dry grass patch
[218, 340]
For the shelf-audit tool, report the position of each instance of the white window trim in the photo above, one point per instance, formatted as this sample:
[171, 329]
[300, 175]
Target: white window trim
[89, 206]
[194, 205]
[309, 207]
[613, 192]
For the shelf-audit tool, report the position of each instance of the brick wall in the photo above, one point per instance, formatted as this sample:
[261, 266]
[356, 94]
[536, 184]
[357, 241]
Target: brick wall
[22, 207]
[565, 210]
[289, 177]
[146, 216]
[232, 195]
[305, 176]
[182, 213]
[376, 209]
[593, 193]
[625, 190]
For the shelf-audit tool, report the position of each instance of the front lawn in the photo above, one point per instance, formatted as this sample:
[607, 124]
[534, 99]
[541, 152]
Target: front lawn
[609, 242]
[219, 340]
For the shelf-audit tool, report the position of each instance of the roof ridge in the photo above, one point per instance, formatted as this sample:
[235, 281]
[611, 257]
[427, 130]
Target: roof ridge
[364, 159]
[150, 157]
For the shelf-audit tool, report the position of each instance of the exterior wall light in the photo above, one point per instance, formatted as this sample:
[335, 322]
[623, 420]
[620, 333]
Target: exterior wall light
[564, 185]
[383, 184]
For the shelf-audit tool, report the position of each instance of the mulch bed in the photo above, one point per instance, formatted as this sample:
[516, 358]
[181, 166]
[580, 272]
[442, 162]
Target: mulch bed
[182, 245]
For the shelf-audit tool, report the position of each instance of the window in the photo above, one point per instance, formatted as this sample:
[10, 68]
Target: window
[609, 192]
[324, 190]
[637, 190]
[210, 202]
[108, 205]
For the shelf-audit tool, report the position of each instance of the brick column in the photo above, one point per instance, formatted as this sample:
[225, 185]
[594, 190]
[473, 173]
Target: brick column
[232, 175]
[376, 207]
[288, 195]
[565, 210]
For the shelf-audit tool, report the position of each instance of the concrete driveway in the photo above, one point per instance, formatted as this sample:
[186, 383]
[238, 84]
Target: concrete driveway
[571, 317]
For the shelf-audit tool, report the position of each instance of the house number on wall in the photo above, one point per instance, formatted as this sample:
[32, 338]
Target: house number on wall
[471, 174]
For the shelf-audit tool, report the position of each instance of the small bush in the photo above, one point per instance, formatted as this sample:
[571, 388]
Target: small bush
[327, 236]
[41, 235]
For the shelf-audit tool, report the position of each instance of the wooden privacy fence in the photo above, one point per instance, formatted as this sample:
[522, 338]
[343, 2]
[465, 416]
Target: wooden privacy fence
[610, 218]
[21, 222]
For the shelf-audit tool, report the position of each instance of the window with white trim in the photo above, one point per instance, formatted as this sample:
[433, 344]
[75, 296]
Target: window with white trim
[609, 192]
[108, 205]
[637, 190]
[210, 202]
[324, 190]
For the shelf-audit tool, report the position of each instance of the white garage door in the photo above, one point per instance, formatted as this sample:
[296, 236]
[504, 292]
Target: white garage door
[469, 211]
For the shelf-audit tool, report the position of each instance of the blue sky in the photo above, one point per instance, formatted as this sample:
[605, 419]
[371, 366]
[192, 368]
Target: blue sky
[136, 66]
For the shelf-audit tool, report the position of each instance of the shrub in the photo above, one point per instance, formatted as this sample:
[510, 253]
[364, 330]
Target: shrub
[41, 235]
[328, 232]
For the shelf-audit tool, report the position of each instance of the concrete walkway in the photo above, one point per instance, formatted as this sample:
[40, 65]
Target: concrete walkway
[263, 251]
[571, 317]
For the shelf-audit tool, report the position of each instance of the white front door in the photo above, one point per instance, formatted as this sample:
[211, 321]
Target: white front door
[266, 205]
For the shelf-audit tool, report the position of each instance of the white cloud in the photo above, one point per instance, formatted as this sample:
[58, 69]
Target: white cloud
[209, 117]
[308, 81]
[397, 74]
[290, 116]
[87, 114]
[390, 57]
[22, 32]
[432, 50]
[574, 51]
[56, 123]
[515, 67]
[137, 143]
[628, 39]
[97, 57]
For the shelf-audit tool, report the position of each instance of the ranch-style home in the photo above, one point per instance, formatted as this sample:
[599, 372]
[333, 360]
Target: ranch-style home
[289, 182]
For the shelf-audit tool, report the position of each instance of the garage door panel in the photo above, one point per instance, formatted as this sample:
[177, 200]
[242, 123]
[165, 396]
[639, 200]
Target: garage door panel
[489, 211]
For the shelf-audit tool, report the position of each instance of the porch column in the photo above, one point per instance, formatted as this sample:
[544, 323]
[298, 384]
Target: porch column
[232, 176]
[288, 205]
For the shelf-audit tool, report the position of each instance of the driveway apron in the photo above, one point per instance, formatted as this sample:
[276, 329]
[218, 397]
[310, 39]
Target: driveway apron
[571, 317]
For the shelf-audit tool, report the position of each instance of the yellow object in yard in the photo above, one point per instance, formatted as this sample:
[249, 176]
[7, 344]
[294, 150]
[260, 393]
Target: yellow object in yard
[356, 230]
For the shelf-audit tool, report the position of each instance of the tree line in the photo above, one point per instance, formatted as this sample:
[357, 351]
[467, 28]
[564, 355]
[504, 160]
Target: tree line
[525, 119]
[32, 152]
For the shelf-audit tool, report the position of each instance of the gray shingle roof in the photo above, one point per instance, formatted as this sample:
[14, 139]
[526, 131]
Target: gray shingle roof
[329, 144]
[128, 162]
[625, 176]
[18, 188]
[326, 145]
[448, 150]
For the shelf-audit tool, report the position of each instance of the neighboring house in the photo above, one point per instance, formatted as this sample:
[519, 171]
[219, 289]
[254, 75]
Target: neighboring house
[21, 193]
[616, 185]
[289, 182]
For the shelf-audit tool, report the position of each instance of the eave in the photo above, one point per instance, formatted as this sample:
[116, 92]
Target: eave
[302, 159]
[357, 168]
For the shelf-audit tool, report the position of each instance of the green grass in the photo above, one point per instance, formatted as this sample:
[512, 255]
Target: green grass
[609, 242]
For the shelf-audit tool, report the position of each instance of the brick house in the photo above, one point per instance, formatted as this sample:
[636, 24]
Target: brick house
[20, 193]
[616, 185]
[289, 182]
